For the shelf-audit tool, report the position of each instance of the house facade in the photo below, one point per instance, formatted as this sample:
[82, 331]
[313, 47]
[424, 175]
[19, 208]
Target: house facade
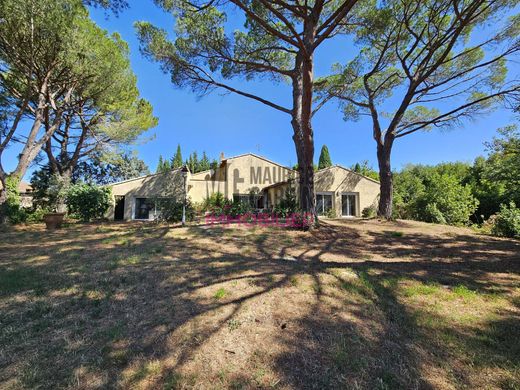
[246, 178]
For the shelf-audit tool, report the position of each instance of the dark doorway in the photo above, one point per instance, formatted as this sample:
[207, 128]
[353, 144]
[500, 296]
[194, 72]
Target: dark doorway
[119, 211]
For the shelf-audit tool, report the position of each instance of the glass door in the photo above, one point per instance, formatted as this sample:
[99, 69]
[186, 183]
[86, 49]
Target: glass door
[142, 208]
[348, 205]
[323, 203]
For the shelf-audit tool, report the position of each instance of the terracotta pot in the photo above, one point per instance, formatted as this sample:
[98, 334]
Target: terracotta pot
[53, 220]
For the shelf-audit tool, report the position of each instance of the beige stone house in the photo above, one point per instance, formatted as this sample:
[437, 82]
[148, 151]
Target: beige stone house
[246, 178]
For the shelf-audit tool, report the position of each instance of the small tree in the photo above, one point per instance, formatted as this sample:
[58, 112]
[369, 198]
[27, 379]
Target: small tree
[88, 202]
[324, 161]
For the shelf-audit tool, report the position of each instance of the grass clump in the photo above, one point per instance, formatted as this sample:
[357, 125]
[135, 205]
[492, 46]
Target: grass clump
[221, 293]
[462, 291]
[420, 289]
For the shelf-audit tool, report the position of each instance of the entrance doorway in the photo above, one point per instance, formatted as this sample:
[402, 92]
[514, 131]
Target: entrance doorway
[348, 205]
[119, 211]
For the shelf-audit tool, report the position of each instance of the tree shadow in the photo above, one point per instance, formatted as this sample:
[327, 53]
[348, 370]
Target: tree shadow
[120, 305]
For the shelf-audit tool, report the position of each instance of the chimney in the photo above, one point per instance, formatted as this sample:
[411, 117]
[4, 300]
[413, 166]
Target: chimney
[222, 158]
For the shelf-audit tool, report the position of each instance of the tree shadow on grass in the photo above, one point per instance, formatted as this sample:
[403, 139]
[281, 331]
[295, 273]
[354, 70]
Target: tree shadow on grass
[137, 306]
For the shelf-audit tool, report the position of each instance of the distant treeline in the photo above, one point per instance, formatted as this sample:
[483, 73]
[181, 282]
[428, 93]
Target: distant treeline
[192, 162]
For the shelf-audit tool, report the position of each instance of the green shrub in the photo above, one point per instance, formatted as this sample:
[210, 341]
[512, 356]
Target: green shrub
[236, 209]
[216, 200]
[14, 213]
[507, 221]
[288, 204]
[11, 209]
[433, 214]
[369, 212]
[170, 210]
[87, 201]
[331, 213]
[445, 200]
[36, 215]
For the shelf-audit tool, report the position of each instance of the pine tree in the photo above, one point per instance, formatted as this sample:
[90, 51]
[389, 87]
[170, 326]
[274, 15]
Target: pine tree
[163, 165]
[160, 165]
[214, 164]
[325, 160]
[204, 164]
[177, 158]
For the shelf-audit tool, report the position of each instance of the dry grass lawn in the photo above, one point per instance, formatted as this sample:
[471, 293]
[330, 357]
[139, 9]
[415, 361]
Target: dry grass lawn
[353, 305]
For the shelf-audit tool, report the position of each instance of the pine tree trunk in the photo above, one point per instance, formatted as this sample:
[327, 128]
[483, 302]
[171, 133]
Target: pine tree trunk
[384, 151]
[303, 136]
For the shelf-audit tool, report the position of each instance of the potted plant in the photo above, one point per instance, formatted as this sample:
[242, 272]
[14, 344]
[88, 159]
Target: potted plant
[56, 202]
[53, 220]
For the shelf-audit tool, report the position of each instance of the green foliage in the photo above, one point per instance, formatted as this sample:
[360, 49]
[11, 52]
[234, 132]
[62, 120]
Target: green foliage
[11, 208]
[215, 200]
[176, 161]
[88, 202]
[365, 169]
[507, 221]
[432, 214]
[114, 5]
[105, 168]
[217, 205]
[369, 212]
[288, 205]
[237, 209]
[324, 161]
[35, 215]
[446, 201]
[170, 210]
[193, 163]
[163, 166]
[204, 164]
[87, 89]
[503, 163]
[434, 194]
[331, 213]
[49, 189]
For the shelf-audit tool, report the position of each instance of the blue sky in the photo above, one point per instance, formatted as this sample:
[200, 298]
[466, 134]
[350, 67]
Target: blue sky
[234, 124]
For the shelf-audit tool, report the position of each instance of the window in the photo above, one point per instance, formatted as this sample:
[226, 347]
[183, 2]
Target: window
[348, 205]
[323, 203]
[255, 201]
[142, 208]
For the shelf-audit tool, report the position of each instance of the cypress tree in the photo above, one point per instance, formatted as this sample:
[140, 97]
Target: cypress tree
[204, 164]
[325, 160]
[160, 165]
[195, 163]
[177, 158]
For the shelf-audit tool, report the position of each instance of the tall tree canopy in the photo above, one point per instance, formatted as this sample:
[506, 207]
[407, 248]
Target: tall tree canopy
[278, 41]
[105, 108]
[324, 161]
[422, 66]
[66, 86]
